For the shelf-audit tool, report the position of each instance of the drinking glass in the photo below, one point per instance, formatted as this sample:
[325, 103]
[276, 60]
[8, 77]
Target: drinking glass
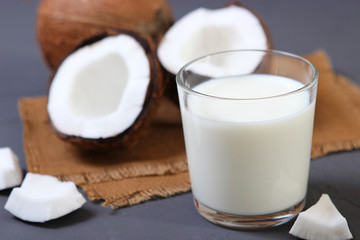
[248, 118]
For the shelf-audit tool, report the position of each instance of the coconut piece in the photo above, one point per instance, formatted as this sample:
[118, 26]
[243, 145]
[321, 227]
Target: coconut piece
[11, 173]
[322, 221]
[105, 93]
[205, 31]
[42, 198]
[64, 24]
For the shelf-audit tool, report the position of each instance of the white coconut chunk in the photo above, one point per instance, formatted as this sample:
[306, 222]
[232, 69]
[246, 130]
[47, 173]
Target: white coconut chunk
[99, 90]
[322, 221]
[205, 31]
[11, 173]
[42, 197]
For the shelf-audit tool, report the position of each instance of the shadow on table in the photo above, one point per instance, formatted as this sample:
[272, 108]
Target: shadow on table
[5, 192]
[78, 216]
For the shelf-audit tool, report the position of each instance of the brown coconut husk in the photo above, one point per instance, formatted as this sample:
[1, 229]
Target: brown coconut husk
[63, 24]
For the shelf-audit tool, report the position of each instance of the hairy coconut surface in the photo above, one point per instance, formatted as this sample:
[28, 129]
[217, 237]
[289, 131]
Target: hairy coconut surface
[63, 24]
[155, 90]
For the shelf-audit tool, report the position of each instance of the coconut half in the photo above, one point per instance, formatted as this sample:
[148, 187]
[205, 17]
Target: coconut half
[204, 31]
[104, 93]
[42, 198]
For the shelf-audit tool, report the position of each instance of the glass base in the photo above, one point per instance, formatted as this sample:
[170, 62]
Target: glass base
[248, 222]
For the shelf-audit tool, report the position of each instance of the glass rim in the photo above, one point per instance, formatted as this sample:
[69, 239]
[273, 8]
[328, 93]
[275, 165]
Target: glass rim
[310, 84]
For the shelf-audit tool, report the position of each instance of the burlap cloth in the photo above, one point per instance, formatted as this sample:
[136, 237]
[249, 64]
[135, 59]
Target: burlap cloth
[157, 166]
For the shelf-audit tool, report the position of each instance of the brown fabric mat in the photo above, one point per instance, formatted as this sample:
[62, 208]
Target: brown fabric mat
[337, 114]
[157, 167]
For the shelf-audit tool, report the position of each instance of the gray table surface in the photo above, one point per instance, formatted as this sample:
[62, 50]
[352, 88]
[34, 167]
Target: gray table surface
[296, 26]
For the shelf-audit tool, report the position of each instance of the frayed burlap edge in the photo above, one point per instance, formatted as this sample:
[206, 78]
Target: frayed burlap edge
[116, 200]
[319, 150]
[115, 174]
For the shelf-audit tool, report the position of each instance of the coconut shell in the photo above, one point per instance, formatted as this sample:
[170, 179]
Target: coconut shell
[155, 91]
[63, 24]
[261, 20]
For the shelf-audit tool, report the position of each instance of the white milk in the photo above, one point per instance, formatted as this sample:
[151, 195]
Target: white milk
[249, 157]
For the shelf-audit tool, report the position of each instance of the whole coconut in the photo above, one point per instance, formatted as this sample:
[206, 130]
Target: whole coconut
[63, 24]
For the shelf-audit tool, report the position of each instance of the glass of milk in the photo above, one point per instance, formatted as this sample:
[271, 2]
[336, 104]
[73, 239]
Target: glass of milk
[248, 119]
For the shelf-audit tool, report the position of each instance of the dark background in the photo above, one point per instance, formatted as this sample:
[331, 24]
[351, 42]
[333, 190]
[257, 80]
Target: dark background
[296, 26]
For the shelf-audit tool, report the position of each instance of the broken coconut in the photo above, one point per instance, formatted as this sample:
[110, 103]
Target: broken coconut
[104, 94]
[61, 25]
[42, 197]
[205, 31]
[322, 221]
[11, 173]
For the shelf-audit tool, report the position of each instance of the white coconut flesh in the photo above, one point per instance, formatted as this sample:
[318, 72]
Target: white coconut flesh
[322, 221]
[11, 173]
[99, 90]
[204, 31]
[42, 197]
